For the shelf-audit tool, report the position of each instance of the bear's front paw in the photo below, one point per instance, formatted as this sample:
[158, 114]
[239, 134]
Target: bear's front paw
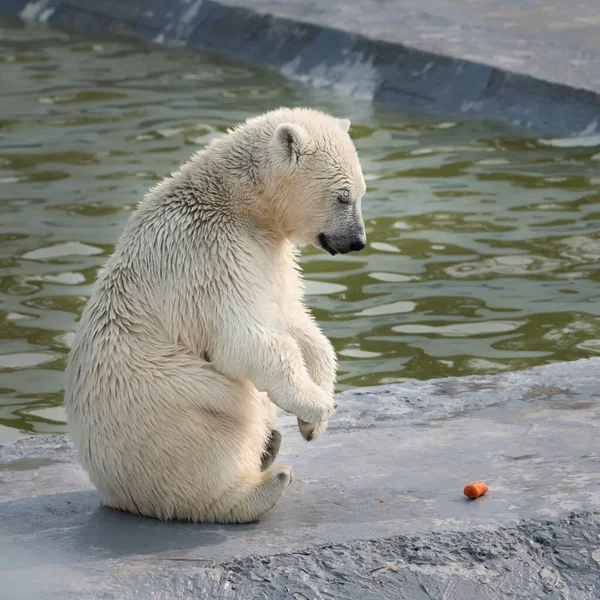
[311, 431]
[318, 407]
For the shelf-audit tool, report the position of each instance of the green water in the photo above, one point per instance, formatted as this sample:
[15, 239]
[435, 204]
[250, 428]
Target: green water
[483, 253]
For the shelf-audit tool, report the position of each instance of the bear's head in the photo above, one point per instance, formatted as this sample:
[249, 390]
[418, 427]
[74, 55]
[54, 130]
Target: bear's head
[314, 183]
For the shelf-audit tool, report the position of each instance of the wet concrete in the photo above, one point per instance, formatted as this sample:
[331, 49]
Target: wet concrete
[532, 436]
[530, 63]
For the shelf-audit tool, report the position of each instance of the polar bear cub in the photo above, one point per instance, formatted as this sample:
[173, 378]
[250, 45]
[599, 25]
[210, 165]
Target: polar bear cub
[196, 332]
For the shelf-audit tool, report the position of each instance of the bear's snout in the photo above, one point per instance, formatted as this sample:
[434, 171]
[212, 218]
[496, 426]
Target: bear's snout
[342, 246]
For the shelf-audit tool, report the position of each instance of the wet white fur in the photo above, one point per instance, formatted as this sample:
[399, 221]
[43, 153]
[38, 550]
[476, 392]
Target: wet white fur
[196, 331]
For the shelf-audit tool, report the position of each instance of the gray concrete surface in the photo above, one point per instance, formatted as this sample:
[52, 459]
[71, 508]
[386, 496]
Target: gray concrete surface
[529, 63]
[533, 436]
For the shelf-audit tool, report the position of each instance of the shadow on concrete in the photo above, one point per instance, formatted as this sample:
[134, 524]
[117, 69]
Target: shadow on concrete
[60, 528]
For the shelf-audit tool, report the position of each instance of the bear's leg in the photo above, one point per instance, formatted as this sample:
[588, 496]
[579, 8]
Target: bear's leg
[272, 440]
[253, 496]
[271, 450]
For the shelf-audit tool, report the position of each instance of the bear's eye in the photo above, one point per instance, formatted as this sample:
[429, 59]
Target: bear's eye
[343, 196]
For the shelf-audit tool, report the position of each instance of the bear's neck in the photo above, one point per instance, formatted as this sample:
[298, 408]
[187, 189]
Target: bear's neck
[224, 178]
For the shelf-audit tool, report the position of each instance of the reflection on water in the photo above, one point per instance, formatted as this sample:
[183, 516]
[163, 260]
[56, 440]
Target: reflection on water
[483, 253]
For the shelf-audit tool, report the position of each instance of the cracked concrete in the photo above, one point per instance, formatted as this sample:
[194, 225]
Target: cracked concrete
[529, 63]
[531, 435]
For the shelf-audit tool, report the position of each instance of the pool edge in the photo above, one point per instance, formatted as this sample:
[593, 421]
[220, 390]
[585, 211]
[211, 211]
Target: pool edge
[363, 66]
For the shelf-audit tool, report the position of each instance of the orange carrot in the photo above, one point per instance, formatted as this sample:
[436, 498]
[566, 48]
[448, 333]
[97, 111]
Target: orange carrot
[475, 489]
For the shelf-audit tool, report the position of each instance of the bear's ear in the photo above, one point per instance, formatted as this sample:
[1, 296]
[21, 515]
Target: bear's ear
[344, 124]
[289, 142]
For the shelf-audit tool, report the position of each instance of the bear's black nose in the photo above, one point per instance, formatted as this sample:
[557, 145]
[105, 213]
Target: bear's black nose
[357, 245]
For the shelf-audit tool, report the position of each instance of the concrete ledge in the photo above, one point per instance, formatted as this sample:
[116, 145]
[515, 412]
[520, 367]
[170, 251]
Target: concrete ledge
[526, 64]
[531, 435]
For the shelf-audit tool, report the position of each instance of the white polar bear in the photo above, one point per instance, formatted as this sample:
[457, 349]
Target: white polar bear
[196, 330]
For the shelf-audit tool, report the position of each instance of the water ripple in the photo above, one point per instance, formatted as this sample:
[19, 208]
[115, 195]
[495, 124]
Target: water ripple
[484, 247]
